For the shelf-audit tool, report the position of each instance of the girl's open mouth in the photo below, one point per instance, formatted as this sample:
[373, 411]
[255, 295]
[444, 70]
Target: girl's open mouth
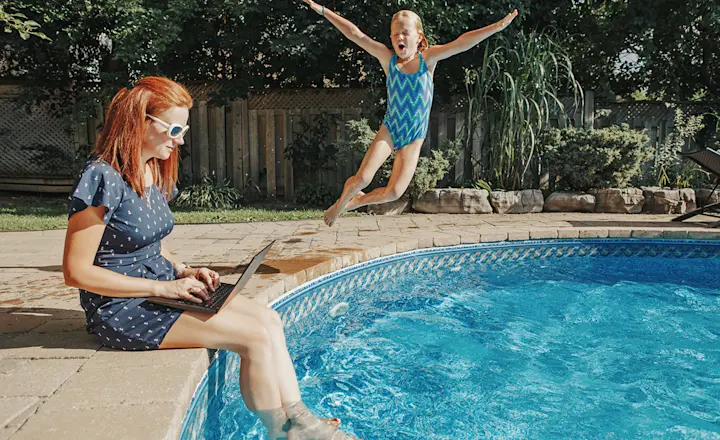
[401, 46]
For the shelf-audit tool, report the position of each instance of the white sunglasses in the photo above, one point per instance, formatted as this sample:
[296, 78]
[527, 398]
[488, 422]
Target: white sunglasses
[174, 131]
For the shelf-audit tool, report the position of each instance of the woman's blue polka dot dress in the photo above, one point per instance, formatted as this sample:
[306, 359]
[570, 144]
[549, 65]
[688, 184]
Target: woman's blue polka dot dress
[130, 246]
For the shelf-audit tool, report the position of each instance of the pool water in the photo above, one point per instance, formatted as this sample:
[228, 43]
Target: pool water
[547, 340]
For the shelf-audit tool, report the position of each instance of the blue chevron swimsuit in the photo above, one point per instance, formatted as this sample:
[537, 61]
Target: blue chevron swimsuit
[409, 101]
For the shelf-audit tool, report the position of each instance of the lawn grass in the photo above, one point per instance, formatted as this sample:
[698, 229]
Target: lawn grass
[35, 213]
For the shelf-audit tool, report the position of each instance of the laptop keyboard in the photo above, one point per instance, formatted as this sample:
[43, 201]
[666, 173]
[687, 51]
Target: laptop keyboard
[217, 298]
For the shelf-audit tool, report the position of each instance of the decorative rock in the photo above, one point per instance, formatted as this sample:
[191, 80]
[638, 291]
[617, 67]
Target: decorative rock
[619, 201]
[663, 201]
[569, 202]
[475, 201]
[397, 207]
[505, 201]
[704, 196]
[687, 195]
[668, 201]
[428, 202]
[453, 201]
[517, 202]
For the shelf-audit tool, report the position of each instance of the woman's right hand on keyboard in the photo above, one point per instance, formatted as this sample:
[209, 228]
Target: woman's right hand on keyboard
[188, 289]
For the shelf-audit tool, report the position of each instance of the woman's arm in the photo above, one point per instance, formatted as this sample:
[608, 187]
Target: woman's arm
[467, 41]
[353, 33]
[85, 230]
[210, 277]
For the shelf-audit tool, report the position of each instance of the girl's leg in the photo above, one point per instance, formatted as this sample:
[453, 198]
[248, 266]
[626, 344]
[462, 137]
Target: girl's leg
[379, 151]
[406, 160]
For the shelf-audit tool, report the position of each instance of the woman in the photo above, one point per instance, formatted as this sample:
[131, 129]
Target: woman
[118, 215]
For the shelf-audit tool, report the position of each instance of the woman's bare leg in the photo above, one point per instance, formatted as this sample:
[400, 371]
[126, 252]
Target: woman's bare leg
[267, 375]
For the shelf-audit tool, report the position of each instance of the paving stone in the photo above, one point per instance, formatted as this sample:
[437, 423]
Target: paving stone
[543, 234]
[619, 233]
[469, 238]
[677, 234]
[14, 411]
[486, 237]
[38, 377]
[647, 233]
[108, 359]
[518, 235]
[130, 385]
[62, 345]
[568, 233]
[446, 240]
[14, 321]
[593, 233]
[132, 422]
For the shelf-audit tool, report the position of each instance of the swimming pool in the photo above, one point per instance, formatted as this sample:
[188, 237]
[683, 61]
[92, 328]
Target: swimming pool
[538, 339]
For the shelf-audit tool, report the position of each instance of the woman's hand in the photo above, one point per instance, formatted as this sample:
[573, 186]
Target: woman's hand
[188, 288]
[209, 277]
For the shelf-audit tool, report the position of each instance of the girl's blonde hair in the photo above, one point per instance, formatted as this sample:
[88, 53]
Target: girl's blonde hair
[418, 26]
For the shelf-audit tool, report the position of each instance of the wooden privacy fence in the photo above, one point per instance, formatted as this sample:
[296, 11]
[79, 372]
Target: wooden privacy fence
[246, 146]
[244, 142]
[658, 118]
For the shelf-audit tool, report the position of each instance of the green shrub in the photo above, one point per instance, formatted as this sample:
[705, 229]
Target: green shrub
[360, 137]
[481, 184]
[430, 170]
[603, 158]
[314, 195]
[208, 194]
[666, 167]
[311, 152]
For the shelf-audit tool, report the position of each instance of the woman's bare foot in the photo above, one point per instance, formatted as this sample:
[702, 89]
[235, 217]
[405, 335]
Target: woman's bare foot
[301, 433]
[333, 422]
[303, 425]
[354, 203]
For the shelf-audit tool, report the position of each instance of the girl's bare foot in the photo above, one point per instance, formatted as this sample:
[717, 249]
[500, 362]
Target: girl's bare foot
[332, 214]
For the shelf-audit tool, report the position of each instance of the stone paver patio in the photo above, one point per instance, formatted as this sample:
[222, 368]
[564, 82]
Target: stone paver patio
[56, 382]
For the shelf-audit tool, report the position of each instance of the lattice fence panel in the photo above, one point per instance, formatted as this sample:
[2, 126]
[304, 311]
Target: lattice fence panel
[25, 136]
[308, 99]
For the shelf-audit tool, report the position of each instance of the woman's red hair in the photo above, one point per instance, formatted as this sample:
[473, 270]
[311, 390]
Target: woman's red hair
[121, 141]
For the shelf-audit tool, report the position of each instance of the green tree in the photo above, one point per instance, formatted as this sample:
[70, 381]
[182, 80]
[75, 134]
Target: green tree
[666, 47]
[13, 20]
[679, 48]
[98, 46]
[249, 44]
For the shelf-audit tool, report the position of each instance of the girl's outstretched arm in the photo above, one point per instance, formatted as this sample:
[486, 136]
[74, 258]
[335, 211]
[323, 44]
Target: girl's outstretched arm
[467, 41]
[353, 33]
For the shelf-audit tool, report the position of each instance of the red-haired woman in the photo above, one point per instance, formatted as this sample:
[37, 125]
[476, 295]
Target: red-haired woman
[118, 215]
